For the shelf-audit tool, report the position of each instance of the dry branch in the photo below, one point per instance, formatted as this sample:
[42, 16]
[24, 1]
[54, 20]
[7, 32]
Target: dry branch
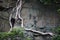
[39, 32]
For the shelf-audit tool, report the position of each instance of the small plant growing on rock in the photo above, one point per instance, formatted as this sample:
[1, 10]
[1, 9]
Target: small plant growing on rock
[57, 33]
[15, 34]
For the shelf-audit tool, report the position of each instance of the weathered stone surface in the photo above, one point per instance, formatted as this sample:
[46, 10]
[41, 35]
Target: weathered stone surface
[5, 11]
[44, 16]
[7, 3]
[35, 16]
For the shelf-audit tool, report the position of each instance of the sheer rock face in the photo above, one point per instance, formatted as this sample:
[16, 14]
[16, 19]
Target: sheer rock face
[5, 11]
[7, 3]
[33, 14]
[39, 17]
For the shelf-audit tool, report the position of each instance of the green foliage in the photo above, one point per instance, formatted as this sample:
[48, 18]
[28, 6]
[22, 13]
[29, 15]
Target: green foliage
[49, 1]
[28, 38]
[56, 37]
[15, 32]
[58, 11]
[46, 1]
[57, 31]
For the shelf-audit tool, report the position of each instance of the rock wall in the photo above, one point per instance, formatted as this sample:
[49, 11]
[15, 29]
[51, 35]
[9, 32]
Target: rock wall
[5, 11]
[39, 17]
[35, 15]
[4, 21]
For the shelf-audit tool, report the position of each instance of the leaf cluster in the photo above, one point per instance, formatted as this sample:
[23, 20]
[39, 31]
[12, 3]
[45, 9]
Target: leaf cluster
[16, 32]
